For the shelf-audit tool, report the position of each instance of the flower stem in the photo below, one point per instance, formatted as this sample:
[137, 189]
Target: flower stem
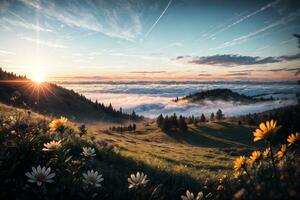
[272, 160]
[247, 172]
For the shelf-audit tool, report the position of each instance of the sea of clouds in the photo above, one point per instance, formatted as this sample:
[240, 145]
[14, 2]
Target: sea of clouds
[153, 98]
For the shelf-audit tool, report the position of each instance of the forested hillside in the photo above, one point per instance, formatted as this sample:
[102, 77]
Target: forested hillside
[51, 99]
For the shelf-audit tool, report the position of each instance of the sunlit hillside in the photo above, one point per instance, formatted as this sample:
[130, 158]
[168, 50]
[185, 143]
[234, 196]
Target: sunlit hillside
[51, 99]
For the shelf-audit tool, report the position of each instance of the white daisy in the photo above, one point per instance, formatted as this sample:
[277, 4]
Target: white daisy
[140, 179]
[92, 178]
[40, 175]
[190, 196]
[88, 152]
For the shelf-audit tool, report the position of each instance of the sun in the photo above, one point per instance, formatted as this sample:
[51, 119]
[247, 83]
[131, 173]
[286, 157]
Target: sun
[38, 77]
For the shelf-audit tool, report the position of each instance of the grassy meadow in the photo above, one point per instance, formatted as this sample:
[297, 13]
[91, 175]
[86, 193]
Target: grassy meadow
[48, 158]
[206, 150]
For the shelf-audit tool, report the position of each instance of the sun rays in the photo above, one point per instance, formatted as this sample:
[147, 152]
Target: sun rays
[38, 77]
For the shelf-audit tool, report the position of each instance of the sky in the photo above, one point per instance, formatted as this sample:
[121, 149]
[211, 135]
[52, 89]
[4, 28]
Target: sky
[180, 40]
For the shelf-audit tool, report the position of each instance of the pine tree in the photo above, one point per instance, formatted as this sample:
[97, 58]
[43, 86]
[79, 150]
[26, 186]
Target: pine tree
[165, 126]
[174, 121]
[202, 119]
[212, 117]
[133, 115]
[195, 121]
[159, 120]
[129, 127]
[134, 127]
[219, 115]
[182, 124]
[191, 119]
[96, 104]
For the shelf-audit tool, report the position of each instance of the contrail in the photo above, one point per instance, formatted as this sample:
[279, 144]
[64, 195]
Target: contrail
[246, 17]
[250, 35]
[162, 14]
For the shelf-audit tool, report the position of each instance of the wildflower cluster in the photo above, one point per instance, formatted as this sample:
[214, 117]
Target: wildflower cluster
[57, 160]
[273, 164]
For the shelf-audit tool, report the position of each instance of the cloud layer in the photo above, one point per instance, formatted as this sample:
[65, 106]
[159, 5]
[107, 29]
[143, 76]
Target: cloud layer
[151, 99]
[235, 60]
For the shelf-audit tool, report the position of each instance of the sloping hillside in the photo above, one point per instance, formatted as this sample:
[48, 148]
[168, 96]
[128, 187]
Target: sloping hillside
[219, 95]
[54, 100]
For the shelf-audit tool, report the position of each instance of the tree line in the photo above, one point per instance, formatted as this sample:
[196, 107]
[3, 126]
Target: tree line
[4, 75]
[168, 123]
[121, 129]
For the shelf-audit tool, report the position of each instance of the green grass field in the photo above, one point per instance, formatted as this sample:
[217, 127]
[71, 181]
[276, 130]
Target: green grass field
[205, 150]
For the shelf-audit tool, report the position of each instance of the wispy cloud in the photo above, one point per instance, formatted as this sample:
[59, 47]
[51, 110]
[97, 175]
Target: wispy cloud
[169, 46]
[44, 42]
[161, 15]
[287, 41]
[296, 70]
[176, 44]
[204, 74]
[4, 52]
[266, 70]
[245, 17]
[144, 57]
[93, 16]
[238, 74]
[213, 30]
[251, 35]
[235, 60]
[147, 72]
[23, 24]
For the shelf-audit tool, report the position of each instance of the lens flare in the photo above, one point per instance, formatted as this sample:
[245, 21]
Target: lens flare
[38, 77]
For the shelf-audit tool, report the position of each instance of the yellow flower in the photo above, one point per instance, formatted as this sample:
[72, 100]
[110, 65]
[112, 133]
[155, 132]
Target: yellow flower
[58, 124]
[264, 130]
[255, 155]
[282, 151]
[237, 174]
[293, 138]
[266, 152]
[239, 162]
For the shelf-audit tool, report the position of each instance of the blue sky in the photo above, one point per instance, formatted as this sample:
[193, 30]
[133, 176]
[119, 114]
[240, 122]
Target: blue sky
[135, 39]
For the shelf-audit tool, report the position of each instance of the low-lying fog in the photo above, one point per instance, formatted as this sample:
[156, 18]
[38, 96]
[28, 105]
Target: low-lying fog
[152, 99]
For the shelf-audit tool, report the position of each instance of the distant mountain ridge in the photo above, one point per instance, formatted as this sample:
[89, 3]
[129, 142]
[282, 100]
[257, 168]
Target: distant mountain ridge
[219, 95]
[51, 99]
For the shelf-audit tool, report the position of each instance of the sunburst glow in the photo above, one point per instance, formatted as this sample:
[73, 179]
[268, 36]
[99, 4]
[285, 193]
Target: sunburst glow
[38, 77]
